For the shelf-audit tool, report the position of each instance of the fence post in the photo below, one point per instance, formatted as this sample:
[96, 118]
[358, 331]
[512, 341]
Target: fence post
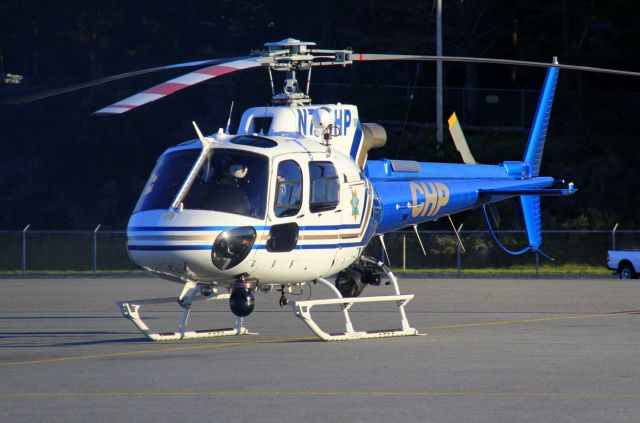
[404, 252]
[95, 251]
[24, 250]
[459, 247]
[613, 237]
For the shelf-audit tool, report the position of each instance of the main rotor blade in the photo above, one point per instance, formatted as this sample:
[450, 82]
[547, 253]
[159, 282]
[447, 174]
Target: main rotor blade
[365, 57]
[179, 83]
[104, 80]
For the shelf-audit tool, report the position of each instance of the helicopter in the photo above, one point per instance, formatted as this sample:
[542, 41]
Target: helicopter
[291, 198]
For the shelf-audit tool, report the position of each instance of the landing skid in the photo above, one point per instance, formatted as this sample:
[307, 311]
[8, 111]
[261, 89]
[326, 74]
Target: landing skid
[190, 293]
[302, 309]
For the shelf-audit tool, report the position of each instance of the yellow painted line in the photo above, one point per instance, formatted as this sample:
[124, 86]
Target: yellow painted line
[152, 351]
[284, 340]
[523, 321]
[326, 394]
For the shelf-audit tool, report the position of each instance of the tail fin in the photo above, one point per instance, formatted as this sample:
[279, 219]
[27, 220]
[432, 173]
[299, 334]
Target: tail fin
[535, 145]
[533, 157]
[532, 220]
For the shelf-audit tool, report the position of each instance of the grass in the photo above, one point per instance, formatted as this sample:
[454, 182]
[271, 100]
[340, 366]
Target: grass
[544, 269]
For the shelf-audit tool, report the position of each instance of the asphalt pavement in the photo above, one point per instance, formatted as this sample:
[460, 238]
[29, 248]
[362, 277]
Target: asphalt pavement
[494, 351]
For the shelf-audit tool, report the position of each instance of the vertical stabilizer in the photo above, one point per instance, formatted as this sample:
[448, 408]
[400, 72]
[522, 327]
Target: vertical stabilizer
[535, 145]
[532, 220]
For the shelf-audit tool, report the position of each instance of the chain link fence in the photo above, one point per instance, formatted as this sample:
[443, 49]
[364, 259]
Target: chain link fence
[64, 252]
[574, 252]
[96, 252]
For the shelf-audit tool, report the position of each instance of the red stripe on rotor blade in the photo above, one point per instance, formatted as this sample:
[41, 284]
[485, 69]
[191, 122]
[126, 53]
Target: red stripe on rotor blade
[165, 88]
[216, 70]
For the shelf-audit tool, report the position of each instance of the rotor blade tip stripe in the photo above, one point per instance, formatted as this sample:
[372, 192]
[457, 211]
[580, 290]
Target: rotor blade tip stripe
[216, 70]
[166, 88]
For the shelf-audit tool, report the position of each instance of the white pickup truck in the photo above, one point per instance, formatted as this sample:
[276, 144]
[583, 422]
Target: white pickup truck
[625, 263]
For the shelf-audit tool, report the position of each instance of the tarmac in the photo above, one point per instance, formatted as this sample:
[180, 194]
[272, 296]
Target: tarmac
[505, 350]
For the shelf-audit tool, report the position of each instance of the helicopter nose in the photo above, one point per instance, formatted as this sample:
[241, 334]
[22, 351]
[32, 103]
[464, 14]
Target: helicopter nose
[203, 250]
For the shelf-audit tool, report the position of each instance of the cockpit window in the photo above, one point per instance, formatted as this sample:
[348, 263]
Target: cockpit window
[288, 189]
[325, 188]
[229, 181]
[166, 179]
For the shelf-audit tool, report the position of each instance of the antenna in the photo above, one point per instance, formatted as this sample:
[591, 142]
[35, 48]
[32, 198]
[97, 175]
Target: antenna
[273, 90]
[415, 229]
[384, 248]
[457, 233]
[226, 131]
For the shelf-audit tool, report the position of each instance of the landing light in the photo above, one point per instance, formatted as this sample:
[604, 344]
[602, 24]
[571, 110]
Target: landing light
[232, 246]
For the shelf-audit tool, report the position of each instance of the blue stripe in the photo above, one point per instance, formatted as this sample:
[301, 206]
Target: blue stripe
[186, 228]
[330, 246]
[323, 227]
[255, 247]
[355, 143]
[168, 247]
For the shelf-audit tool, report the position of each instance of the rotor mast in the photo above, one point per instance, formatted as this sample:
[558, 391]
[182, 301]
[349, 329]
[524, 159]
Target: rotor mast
[291, 56]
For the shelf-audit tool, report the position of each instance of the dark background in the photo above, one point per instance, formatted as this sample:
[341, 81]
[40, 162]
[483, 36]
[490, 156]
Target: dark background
[62, 168]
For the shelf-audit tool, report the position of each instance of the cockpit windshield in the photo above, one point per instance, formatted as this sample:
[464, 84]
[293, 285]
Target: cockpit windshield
[229, 181]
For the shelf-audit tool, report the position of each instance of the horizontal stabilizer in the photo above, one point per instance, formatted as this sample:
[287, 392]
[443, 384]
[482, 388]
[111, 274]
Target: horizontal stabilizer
[544, 192]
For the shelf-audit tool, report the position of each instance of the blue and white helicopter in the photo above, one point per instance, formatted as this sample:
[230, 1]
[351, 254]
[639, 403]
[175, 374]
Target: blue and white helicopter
[291, 198]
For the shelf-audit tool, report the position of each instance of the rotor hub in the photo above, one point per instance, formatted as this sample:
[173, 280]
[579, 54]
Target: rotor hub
[291, 55]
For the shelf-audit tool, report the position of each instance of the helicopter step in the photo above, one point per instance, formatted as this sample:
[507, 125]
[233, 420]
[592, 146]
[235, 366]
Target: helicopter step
[302, 310]
[191, 292]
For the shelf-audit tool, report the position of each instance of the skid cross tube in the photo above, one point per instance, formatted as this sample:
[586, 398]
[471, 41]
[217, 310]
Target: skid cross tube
[302, 310]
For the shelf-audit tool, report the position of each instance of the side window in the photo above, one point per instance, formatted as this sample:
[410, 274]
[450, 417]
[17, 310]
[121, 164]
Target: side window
[324, 186]
[288, 189]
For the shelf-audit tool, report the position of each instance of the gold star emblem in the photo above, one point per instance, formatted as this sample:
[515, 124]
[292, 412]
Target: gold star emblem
[355, 202]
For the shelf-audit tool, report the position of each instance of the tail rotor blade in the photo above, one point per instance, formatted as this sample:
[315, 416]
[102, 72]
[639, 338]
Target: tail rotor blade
[495, 215]
[459, 140]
